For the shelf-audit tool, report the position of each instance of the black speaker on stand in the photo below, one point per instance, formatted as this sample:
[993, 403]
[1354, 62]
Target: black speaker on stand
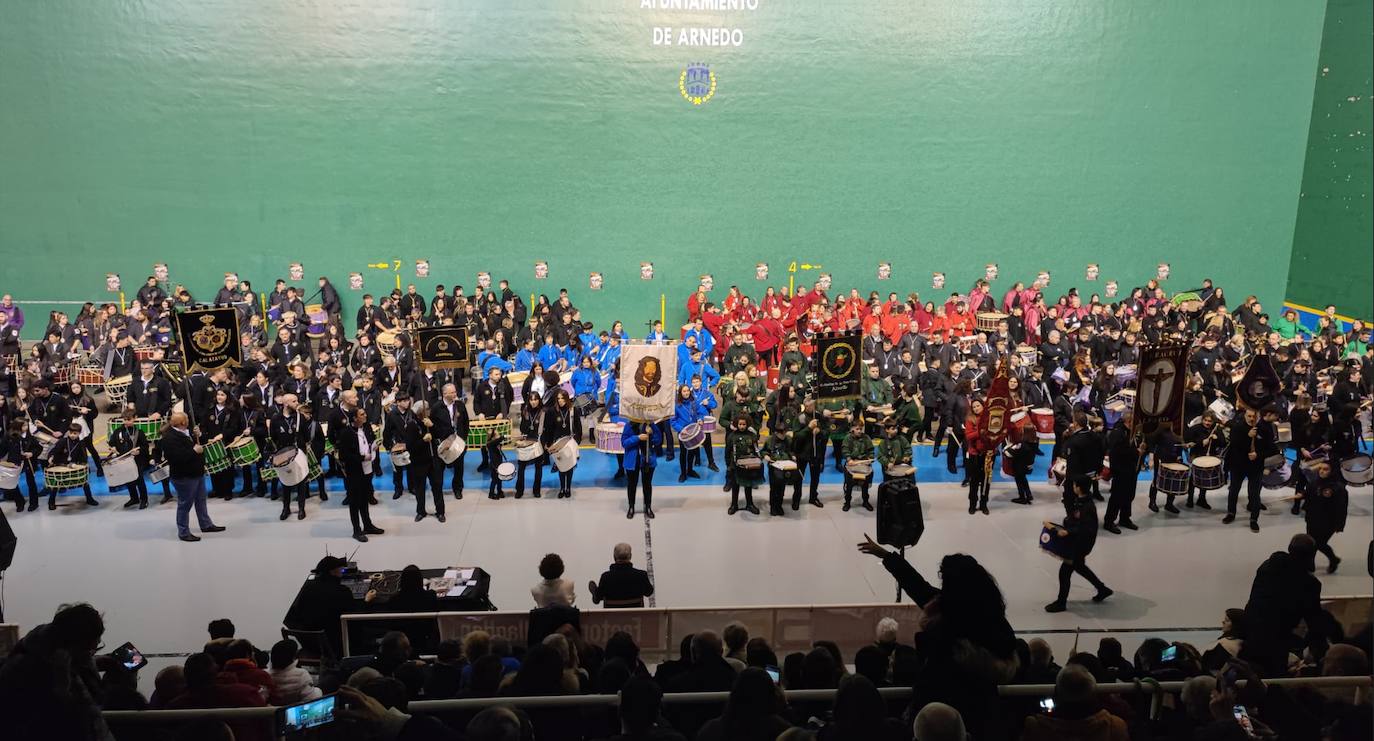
[7, 544]
[900, 521]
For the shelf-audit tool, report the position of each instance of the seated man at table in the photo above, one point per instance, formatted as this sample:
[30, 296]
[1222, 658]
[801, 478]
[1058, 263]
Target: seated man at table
[622, 585]
[321, 602]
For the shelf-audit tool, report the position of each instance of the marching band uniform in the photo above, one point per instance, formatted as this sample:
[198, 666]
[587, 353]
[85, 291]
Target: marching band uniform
[641, 459]
[20, 449]
[562, 420]
[1166, 450]
[354, 444]
[894, 449]
[858, 446]
[531, 428]
[810, 440]
[450, 418]
[1124, 456]
[1245, 441]
[779, 448]
[740, 443]
[286, 430]
[69, 451]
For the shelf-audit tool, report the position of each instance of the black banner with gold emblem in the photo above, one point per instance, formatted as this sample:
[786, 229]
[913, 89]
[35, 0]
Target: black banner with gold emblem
[1159, 388]
[441, 347]
[1259, 387]
[209, 339]
[839, 366]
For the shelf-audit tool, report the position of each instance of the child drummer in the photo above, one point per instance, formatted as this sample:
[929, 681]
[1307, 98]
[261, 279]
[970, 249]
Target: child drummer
[127, 437]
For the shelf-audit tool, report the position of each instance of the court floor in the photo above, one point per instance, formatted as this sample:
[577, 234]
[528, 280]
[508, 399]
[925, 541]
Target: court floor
[1177, 571]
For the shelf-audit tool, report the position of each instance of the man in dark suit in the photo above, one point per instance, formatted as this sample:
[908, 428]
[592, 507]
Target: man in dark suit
[450, 417]
[491, 400]
[186, 460]
[622, 585]
[149, 393]
[1251, 444]
[353, 445]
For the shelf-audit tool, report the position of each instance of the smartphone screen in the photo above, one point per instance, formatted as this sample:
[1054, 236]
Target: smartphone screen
[1243, 718]
[313, 714]
[773, 672]
[130, 657]
[1047, 704]
[1169, 654]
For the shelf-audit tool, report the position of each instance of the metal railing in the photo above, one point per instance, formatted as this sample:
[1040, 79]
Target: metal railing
[579, 701]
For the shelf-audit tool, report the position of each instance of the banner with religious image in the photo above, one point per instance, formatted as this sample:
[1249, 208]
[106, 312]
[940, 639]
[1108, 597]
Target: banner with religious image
[996, 417]
[839, 358]
[209, 339]
[647, 381]
[1159, 388]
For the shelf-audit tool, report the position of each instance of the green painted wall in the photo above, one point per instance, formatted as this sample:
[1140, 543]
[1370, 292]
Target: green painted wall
[483, 134]
[1333, 244]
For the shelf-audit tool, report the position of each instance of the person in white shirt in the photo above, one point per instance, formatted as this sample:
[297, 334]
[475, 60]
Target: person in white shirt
[552, 589]
[290, 683]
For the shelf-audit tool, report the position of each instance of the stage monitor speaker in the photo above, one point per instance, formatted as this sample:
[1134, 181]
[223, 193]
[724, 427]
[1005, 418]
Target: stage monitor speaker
[900, 521]
[7, 543]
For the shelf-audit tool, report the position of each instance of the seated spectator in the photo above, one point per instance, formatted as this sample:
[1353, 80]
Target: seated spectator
[792, 664]
[221, 628]
[751, 713]
[484, 677]
[621, 585]
[239, 667]
[48, 685]
[169, 684]
[377, 721]
[411, 675]
[542, 673]
[871, 662]
[392, 651]
[757, 653]
[1113, 661]
[860, 714]
[641, 702]
[886, 638]
[203, 690]
[292, 684]
[120, 689]
[446, 673]
[736, 636]
[389, 691]
[709, 673]
[621, 645]
[1077, 713]
[411, 594]
[819, 672]
[573, 678]
[552, 589]
[1042, 669]
[938, 722]
[672, 668]
[499, 724]
[479, 643]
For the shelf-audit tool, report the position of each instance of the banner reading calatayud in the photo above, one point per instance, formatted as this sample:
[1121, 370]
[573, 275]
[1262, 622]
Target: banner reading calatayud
[647, 377]
[209, 339]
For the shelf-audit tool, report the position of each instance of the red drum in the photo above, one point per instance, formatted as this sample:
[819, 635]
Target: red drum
[1006, 467]
[147, 352]
[772, 378]
[1043, 419]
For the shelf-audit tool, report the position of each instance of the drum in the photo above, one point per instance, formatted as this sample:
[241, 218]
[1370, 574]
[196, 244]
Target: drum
[1059, 470]
[1043, 419]
[1277, 477]
[966, 343]
[608, 437]
[878, 412]
[1029, 356]
[59, 478]
[859, 470]
[528, 450]
[1060, 375]
[1223, 409]
[1357, 471]
[505, 471]
[328, 442]
[216, 457]
[147, 352]
[62, 374]
[584, 404]
[120, 470]
[987, 320]
[9, 475]
[313, 470]
[291, 466]
[151, 428]
[784, 465]
[1284, 431]
[274, 314]
[117, 388]
[481, 430]
[692, 436]
[1125, 374]
[787, 470]
[244, 451]
[452, 447]
[1113, 410]
[1208, 472]
[399, 455]
[565, 453]
[91, 375]
[1172, 478]
[46, 442]
[160, 473]
[387, 341]
[1007, 466]
[749, 471]
[708, 424]
[1054, 544]
[904, 471]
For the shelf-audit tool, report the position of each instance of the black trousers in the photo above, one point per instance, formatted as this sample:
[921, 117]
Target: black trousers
[359, 500]
[777, 487]
[1251, 476]
[642, 475]
[812, 470]
[927, 419]
[1120, 498]
[138, 490]
[1323, 538]
[302, 492]
[734, 495]
[838, 442]
[1023, 489]
[457, 468]
[538, 465]
[850, 482]
[565, 481]
[687, 461]
[1080, 567]
[420, 476]
[955, 441]
[978, 484]
[88, 443]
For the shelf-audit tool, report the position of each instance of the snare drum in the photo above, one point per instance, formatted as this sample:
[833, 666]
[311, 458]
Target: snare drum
[1059, 470]
[147, 352]
[451, 448]
[91, 375]
[1172, 478]
[481, 430]
[1054, 544]
[244, 451]
[400, 457]
[46, 443]
[1223, 409]
[151, 428]
[505, 471]
[1357, 471]
[692, 436]
[1208, 473]
[859, 470]
[749, 471]
[708, 424]
[900, 471]
[786, 471]
[1278, 476]
[1043, 419]
[528, 450]
[1284, 432]
[59, 478]
[216, 457]
[608, 437]
[119, 471]
[161, 472]
[117, 388]
[291, 466]
[1125, 374]
[565, 454]
[9, 475]
[584, 404]
[987, 321]
[1029, 356]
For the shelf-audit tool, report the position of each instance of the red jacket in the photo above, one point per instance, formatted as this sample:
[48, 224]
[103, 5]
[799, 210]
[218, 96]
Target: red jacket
[229, 696]
[694, 306]
[973, 438]
[767, 333]
[244, 671]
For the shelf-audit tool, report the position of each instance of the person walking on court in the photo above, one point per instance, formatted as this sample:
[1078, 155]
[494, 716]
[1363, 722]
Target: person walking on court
[1080, 527]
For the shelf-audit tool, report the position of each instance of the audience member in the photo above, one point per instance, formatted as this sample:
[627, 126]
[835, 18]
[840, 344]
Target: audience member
[1042, 669]
[239, 667]
[641, 702]
[751, 713]
[736, 637]
[621, 585]
[291, 683]
[1284, 593]
[667, 671]
[860, 714]
[446, 672]
[168, 685]
[938, 722]
[1077, 713]
[49, 687]
[709, 673]
[206, 689]
[552, 589]
[221, 628]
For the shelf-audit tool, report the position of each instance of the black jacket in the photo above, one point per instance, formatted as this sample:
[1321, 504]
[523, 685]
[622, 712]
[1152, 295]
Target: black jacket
[622, 581]
[1084, 451]
[318, 606]
[182, 458]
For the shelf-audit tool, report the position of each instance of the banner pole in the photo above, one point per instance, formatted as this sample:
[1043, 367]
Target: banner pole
[122, 308]
[662, 308]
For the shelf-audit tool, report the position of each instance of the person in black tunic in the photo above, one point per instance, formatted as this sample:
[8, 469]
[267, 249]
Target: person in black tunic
[1245, 456]
[354, 443]
[1124, 453]
[128, 438]
[1327, 505]
[1080, 527]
